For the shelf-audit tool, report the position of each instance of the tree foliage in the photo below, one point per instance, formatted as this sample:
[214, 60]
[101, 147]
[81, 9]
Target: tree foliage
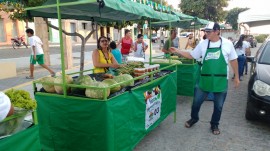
[232, 17]
[206, 9]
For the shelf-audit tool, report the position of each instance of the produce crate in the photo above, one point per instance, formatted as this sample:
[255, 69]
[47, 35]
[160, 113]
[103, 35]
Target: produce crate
[13, 124]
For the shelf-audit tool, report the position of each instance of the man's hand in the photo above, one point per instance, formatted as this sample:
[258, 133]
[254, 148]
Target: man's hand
[173, 50]
[35, 57]
[236, 82]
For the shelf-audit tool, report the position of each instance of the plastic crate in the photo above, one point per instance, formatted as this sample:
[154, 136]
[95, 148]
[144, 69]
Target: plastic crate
[13, 124]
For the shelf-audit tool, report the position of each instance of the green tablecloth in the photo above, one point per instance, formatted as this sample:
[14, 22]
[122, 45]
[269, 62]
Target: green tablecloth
[27, 140]
[187, 75]
[73, 123]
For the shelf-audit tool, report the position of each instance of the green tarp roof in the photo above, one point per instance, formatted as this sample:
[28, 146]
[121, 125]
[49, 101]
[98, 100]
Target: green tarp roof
[186, 21]
[114, 10]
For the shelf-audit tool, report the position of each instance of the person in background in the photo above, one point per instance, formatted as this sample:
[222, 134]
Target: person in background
[140, 47]
[126, 45]
[37, 54]
[217, 52]
[6, 108]
[102, 58]
[248, 53]
[191, 42]
[241, 47]
[176, 42]
[116, 52]
[169, 43]
[162, 38]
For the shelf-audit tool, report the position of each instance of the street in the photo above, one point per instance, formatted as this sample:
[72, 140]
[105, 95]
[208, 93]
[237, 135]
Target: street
[237, 134]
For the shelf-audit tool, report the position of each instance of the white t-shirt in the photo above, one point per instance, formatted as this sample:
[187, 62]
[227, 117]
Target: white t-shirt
[4, 106]
[227, 47]
[139, 52]
[242, 51]
[35, 41]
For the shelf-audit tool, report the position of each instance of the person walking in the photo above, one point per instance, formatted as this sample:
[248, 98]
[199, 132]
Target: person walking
[247, 53]
[126, 45]
[37, 55]
[216, 52]
[241, 47]
[162, 38]
[140, 47]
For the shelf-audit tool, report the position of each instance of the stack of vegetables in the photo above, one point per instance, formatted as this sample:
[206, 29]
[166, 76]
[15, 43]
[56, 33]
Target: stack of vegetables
[129, 68]
[22, 103]
[166, 61]
[96, 93]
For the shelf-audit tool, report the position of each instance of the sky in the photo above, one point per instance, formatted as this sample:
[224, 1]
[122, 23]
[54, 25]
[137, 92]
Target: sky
[235, 3]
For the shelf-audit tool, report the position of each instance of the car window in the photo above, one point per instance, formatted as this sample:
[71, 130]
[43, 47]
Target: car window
[264, 57]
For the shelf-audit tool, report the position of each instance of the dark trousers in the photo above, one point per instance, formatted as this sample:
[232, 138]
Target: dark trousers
[200, 96]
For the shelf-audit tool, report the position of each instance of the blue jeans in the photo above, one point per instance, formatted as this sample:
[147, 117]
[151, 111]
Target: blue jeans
[200, 96]
[241, 63]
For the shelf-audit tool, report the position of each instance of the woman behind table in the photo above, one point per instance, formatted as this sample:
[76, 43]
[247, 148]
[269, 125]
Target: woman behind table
[102, 57]
[126, 45]
[241, 47]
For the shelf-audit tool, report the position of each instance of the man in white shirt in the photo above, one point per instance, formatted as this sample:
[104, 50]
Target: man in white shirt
[140, 47]
[216, 52]
[37, 54]
[6, 109]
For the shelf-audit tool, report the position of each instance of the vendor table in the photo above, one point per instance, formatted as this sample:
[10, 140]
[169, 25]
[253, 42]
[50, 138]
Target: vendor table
[187, 75]
[118, 124]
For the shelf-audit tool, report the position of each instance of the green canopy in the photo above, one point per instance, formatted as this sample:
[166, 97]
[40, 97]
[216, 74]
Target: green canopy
[108, 10]
[186, 21]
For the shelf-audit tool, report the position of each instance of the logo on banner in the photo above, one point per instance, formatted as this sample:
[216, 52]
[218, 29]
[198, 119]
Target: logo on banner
[153, 102]
[212, 55]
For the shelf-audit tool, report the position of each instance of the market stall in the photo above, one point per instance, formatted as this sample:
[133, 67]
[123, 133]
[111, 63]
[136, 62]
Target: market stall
[93, 115]
[187, 70]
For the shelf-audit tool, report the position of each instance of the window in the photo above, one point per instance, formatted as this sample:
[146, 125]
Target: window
[84, 25]
[2, 31]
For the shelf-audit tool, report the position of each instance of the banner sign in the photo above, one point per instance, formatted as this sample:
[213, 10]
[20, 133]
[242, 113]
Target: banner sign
[153, 102]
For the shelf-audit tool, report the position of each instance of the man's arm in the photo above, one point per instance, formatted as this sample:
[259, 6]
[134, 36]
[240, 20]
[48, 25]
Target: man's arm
[34, 52]
[182, 53]
[234, 65]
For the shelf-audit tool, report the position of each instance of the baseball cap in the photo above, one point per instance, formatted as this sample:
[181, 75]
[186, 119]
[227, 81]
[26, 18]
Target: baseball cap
[5, 105]
[212, 26]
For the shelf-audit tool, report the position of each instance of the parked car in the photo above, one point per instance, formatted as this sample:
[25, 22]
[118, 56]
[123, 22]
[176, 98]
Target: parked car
[154, 38]
[258, 102]
[252, 41]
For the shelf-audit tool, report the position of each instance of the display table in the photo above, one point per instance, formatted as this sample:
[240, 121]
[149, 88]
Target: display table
[187, 75]
[118, 124]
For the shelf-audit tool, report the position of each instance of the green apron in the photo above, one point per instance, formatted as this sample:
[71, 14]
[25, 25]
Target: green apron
[213, 76]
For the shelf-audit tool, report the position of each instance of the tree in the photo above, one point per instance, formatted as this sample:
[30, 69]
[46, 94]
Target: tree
[206, 9]
[232, 16]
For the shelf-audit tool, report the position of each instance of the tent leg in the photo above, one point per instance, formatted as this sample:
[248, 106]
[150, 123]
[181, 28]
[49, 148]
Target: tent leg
[61, 47]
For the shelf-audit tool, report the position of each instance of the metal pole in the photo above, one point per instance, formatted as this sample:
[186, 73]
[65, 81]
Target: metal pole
[61, 48]
[150, 59]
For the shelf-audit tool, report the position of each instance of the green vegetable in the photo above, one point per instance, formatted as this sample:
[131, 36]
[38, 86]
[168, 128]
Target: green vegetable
[21, 99]
[96, 93]
[112, 82]
[82, 80]
[124, 77]
[48, 87]
[59, 80]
